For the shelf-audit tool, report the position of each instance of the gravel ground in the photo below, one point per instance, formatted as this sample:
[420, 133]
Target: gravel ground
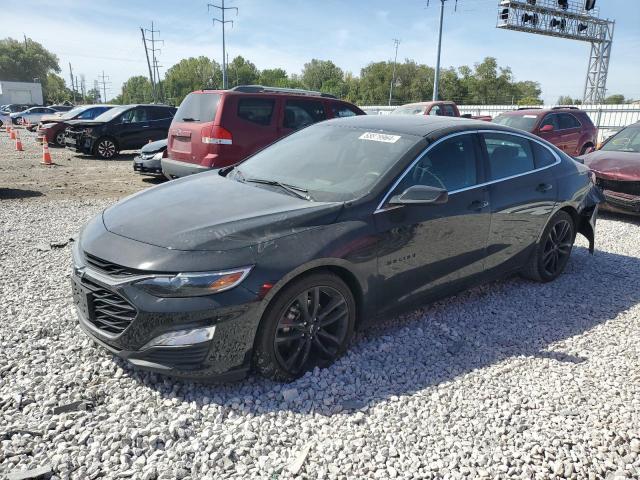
[80, 176]
[511, 380]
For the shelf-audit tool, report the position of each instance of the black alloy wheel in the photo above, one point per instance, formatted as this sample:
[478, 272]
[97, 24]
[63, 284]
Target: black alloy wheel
[309, 324]
[552, 252]
[106, 148]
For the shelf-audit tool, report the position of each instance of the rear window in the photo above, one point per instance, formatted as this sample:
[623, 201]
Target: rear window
[256, 110]
[198, 107]
[522, 122]
[409, 110]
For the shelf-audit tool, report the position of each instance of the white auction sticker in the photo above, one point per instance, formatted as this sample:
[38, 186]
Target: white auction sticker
[379, 137]
[530, 116]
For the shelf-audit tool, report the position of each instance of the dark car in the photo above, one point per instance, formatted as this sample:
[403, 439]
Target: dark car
[126, 127]
[149, 160]
[568, 128]
[272, 263]
[218, 128]
[616, 166]
[53, 129]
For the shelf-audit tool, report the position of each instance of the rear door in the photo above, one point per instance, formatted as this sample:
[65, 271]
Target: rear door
[300, 113]
[523, 193]
[157, 125]
[554, 136]
[252, 121]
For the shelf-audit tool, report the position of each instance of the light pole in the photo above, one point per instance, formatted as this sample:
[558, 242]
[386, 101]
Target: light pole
[393, 76]
[436, 81]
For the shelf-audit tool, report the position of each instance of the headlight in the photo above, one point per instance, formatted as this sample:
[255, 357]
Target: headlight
[157, 156]
[88, 131]
[194, 284]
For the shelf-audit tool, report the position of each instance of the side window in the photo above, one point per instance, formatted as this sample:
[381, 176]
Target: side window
[551, 119]
[542, 155]
[256, 110]
[341, 110]
[301, 113]
[568, 121]
[448, 111]
[128, 116]
[508, 155]
[435, 110]
[89, 114]
[158, 113]
[450, 165]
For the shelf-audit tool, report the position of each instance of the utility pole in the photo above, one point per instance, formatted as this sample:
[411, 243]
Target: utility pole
[83, 86]
[436, 81]
[151, 77]
[396, 42]
[104, 82]
[155, 70]
[73, 88]
[222, 21]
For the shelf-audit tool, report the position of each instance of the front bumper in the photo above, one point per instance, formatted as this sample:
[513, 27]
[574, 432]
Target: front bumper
[79, 142]
[140, 317]
[621, 202]
[176, 169]
[147, 166]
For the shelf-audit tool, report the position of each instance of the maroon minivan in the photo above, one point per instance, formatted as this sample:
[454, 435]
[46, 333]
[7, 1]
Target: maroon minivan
[218, 128]
[568, 128]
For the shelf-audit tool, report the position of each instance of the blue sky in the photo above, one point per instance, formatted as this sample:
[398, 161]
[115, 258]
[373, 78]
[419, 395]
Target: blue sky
[104, 35]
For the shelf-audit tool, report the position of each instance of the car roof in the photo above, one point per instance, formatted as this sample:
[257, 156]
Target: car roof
[430, 127]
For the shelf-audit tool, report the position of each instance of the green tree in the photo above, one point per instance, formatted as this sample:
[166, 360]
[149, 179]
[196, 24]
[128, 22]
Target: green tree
[55, 90]
[565, 100]
[191, 74]
[323, 76]
[135, 90]
[24, 61]
[615, 100]
[241, 72]
[273, 77]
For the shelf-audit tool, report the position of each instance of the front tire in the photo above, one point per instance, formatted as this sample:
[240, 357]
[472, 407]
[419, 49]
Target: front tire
[309, 323]
[106, 148]
[59, 140]
[552, 252]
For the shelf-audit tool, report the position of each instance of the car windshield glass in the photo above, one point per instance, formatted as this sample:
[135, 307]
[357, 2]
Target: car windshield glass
[330, 162]
[628, 140]
[198, 107]
[111, 114]
[73, 112]
[522, 122]
[409, 110]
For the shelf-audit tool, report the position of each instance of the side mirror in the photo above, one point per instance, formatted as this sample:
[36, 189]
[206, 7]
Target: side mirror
[466, 115]
[547, 128]
[421, 195]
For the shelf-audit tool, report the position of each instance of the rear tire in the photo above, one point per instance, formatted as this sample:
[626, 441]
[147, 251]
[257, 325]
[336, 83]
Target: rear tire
[552, 252]
[105, 148]
[309, 323]
[59, 139]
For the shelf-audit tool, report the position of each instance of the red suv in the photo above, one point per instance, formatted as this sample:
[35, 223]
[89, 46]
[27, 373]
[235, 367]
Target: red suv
[218, 128]
[568, 128]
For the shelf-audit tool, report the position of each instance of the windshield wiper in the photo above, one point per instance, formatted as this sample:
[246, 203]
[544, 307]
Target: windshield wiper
[189, 119]
[297, 191]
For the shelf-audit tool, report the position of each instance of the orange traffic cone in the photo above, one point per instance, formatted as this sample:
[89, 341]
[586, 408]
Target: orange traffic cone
[18, 143]
[46, 156]
[12, 134]
[8, 128]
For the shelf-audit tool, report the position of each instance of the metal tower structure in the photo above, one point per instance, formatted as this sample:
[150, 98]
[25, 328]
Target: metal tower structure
[570, 19]
[223, 22]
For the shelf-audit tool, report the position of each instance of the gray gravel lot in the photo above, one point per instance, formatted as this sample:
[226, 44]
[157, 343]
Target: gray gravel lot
[511, 380]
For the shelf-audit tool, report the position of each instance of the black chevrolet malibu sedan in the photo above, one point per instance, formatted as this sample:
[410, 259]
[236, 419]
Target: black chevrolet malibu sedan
[271, 264]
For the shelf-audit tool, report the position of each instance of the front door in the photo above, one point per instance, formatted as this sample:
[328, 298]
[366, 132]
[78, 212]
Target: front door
[425, 248]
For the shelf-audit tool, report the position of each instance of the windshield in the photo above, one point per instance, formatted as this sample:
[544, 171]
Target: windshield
[332, 163]
[627, 140]
[73, 112]
[111, 114]
[522, 122]
[409, 110]
[198, 107]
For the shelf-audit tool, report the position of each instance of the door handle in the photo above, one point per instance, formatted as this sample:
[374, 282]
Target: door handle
[544, 187]
[478, 205]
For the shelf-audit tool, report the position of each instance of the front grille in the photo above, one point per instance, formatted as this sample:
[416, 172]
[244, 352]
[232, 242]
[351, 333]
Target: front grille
[109, 311]
[110, 268]
[630, 188]
[186, 358]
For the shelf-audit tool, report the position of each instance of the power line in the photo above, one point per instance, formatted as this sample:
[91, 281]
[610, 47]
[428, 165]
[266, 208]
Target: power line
[151, 76]
[223, 22]
[436, 80]
[396, 43]
[104, 82]
[155, 71]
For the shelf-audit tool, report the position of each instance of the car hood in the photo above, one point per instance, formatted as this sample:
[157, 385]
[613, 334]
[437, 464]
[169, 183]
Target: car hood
[154, 147]
[614, 165]
[84, 123]
[209, 212]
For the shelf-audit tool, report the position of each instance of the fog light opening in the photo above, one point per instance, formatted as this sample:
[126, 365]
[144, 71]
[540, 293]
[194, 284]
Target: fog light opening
[182, 338]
